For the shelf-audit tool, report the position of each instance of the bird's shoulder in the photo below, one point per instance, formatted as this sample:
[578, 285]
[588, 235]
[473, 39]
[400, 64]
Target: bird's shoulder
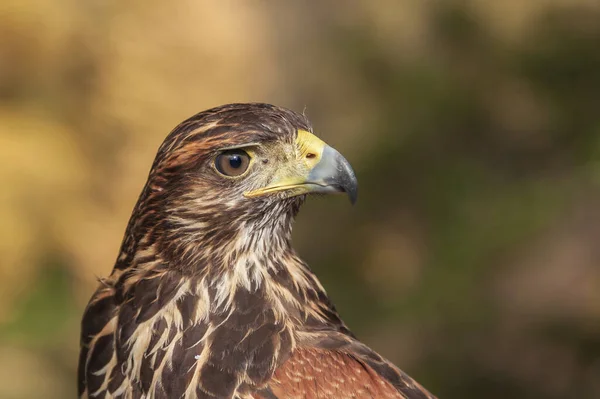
[331, 364]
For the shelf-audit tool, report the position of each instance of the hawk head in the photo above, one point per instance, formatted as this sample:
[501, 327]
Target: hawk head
[232, 178]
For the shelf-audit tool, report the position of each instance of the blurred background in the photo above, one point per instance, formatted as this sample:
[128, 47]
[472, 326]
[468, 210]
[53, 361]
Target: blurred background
[472, 259]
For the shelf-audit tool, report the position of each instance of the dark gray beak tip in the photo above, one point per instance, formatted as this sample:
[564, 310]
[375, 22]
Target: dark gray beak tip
[353, 195]
[346, 179]
[350, 186]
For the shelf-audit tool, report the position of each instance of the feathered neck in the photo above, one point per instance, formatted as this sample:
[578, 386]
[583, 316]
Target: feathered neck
[220, 258]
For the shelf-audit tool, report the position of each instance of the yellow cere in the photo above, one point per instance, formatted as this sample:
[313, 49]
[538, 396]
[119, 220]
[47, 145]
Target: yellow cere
[310, 147]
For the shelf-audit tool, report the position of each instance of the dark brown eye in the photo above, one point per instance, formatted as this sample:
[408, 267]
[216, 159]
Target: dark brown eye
[232, 163]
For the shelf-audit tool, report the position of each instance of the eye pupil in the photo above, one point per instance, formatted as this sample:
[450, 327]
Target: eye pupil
[235, 161]
[232, 163]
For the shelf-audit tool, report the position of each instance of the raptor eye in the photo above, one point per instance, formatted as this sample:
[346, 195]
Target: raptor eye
[232, 163]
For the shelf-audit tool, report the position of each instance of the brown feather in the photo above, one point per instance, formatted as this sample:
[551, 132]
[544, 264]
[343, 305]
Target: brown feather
[324, 374]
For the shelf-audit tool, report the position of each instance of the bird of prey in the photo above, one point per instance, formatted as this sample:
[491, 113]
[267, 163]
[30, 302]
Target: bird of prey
[207, 298]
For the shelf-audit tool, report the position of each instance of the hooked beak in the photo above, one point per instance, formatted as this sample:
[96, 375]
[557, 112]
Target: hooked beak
[318, 168]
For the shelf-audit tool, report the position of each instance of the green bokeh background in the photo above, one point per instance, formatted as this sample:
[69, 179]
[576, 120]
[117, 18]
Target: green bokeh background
[471, 259]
